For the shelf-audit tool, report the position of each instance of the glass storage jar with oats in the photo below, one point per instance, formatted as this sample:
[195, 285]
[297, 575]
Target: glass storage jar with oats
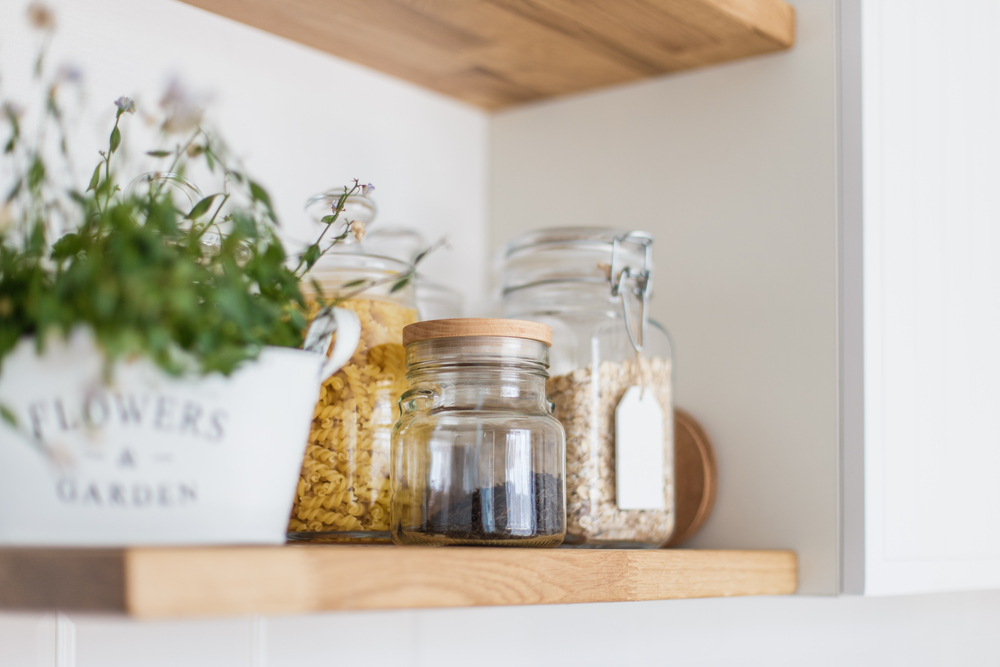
[611, 377]
[477, 458]
[343, 492]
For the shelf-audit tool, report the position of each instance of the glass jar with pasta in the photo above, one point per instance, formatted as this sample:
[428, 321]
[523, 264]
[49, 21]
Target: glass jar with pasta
[343, 491]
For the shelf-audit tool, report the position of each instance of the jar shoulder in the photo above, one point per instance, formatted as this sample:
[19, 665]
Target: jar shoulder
[494, 419]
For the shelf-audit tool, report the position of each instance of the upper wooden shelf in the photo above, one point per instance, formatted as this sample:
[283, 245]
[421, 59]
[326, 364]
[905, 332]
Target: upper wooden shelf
[207, 581]
[494, 53]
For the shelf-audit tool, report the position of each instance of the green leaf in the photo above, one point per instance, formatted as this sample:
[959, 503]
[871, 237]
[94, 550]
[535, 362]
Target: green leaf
[116, 139]
[245, 225]
[201, 208]
[420, 256]
[14, 191]
[8, 416]
[36, 174]
[328, 219]
[354, 283]
[311, 255]
[67, 246]
[159, 153]
[400, 285]
[95, 179]
[210, 160]
[260, 194]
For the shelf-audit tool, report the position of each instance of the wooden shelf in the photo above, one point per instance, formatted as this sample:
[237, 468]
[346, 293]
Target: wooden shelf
[183, 582]
[493, 53]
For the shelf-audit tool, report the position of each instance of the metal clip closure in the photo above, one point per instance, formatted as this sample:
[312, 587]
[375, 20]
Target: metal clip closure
[639, 286]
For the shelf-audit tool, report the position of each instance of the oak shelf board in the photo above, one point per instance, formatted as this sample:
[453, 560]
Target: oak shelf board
[227, 581]
[495, 53]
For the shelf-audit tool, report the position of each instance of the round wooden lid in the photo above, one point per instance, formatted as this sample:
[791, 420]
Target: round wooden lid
[695, 477]
[477, 326]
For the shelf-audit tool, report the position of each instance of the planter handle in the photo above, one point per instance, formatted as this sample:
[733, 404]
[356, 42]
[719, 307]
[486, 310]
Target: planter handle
[346, 325]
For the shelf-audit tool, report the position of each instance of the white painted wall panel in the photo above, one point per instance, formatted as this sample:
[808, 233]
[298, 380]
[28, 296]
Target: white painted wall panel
[28, 640]
[116, 642]
[932, 294]
[957, 629]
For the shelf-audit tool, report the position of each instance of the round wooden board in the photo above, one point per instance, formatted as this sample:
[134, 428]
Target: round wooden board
[695, 475]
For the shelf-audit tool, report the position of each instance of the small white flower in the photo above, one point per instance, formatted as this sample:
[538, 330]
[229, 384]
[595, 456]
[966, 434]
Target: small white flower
[367, 190]
[69, 73]
[125, 104]
[183, 111]
[358, 228]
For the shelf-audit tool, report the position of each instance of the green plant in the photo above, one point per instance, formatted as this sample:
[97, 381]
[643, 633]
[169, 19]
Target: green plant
[199, 289]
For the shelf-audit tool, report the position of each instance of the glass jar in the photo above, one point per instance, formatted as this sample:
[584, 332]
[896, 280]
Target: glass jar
[357, 208]
[592, 287]
[184, 195]
[343, 491]
[434, 300]
[477, 457]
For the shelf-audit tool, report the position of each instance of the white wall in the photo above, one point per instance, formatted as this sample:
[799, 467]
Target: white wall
[733, 169]
[932, 294]
[945, 629]
[303, 121]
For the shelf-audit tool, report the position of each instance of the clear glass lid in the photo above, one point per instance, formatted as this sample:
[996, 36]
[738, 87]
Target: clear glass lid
[356, 209]
[184, 195]
[575, 255]
[552, 265]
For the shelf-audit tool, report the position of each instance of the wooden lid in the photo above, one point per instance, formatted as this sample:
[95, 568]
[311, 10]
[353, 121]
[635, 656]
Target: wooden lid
[695, 477]
[477, 326]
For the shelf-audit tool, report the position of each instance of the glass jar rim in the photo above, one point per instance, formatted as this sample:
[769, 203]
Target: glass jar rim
[334, 269]
[348, 261]
[573, 236]
[575, 256]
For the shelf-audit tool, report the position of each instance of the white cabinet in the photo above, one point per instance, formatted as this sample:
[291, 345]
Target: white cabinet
[828, 231]
[930, 221]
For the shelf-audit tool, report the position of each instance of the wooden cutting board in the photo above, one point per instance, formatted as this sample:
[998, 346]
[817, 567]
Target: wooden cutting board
[695, 477]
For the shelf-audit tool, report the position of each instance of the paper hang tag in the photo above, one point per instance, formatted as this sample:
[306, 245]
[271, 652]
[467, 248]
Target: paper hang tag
[639, 451]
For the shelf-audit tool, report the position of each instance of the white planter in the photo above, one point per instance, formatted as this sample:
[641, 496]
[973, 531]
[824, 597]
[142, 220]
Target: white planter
[147, 458]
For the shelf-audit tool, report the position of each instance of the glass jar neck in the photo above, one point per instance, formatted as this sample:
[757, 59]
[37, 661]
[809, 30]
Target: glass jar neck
[592, 298]
[478, 373]
[482, 389]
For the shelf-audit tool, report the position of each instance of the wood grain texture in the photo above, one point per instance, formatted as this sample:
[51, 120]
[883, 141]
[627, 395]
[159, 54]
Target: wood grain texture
[185, 582]
[477, 326]
[494, 53]
[696, 477]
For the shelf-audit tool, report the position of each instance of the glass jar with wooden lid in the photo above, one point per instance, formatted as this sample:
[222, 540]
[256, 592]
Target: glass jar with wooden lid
[477, 457]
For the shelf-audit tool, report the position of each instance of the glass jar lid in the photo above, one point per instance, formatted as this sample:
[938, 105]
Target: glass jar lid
[576, 255]
[464, 342]
[183, 194]
[340, 273]
[357, 208]
[579, 256]
[477, 327]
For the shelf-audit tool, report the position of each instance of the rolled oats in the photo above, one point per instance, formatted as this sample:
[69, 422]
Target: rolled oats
[587, 412]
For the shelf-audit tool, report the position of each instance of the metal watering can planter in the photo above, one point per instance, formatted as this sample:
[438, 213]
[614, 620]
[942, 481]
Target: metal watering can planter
[148, 458]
